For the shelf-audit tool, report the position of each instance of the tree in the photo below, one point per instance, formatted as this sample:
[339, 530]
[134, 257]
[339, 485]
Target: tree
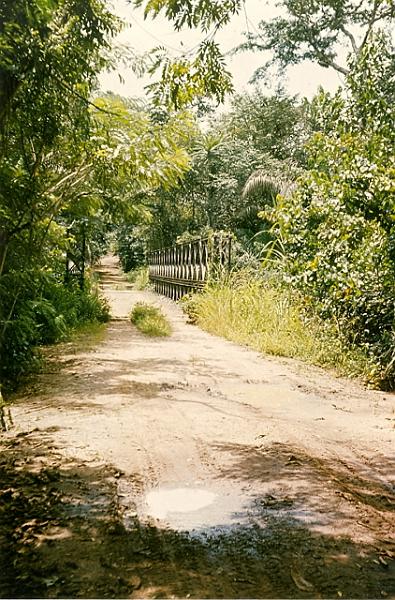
[198, 74]
[316, 29]
[257, 133]
[65, 160]
[50, 51]
[306, 30]
[51, 41]
[338, 227]
[275, 125]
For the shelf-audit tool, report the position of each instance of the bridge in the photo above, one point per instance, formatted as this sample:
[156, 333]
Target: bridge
[186, 267]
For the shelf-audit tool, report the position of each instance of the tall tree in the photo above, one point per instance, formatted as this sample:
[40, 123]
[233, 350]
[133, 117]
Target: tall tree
[312, 30]
[316, 29]
[64, 156]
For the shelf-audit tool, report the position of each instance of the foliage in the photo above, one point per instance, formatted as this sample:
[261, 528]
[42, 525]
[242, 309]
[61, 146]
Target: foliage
[70, 166]
[50, 52]
[273, 125]
[43, 319]
[338, 228]
[259, 312]
[315, 31]
[251, 136]
[184, 80]
[150, 320]
[43, 42]
[134, 154]
[139, 277]
[302, 30]
[202, 74]
[130, 247]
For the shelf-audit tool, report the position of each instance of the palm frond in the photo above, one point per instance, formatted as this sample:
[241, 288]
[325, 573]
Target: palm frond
[269, 187]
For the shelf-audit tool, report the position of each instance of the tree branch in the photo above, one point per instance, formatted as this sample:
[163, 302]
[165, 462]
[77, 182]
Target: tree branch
[88, 102]
[79, 173]
[370, 23]
[325, 61]
[351, 38]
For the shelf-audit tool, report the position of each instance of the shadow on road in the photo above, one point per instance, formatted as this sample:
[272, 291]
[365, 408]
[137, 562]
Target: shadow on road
[62, 534]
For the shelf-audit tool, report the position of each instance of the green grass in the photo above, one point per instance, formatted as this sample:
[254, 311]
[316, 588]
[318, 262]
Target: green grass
[87, 335]
[273, 320]
[139, 277]
[150, 320]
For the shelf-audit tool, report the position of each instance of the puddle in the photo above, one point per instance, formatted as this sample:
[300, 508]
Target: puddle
[188, 508]
[220, 507]
[161, 503]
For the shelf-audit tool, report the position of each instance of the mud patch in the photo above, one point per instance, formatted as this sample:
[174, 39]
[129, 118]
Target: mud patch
[50, 548]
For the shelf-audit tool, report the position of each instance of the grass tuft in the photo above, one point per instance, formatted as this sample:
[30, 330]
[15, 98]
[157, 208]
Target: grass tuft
[273, 320]
[150, 320]
[139, 277]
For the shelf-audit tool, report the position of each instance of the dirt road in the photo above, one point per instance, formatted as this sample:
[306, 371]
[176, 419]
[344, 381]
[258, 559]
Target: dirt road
[191, 467]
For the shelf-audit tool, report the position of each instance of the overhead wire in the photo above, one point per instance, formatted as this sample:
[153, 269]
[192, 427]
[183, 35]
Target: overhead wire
[210, 35]
[168, 46]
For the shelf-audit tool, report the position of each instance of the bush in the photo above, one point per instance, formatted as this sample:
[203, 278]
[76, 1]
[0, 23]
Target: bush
[45, 319]
[150, 320]
[130, 248]
[338, 228]
[139, 277]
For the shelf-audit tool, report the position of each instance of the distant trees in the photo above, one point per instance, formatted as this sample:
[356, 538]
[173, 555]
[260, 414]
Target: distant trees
[257, 133]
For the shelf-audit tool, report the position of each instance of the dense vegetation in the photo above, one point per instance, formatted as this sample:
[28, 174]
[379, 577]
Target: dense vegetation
[308, 191]
[71, 166]
[306, 188]
[338, 230]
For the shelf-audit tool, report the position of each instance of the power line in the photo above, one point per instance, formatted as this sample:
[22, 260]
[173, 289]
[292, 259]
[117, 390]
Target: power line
[178, 50]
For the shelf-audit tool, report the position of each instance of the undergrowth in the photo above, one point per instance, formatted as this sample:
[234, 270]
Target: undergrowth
[150, 320]
[48, 319]
[139, 277]
[272, 319]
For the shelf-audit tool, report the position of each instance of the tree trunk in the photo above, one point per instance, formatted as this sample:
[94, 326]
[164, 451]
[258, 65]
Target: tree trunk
[8, 88]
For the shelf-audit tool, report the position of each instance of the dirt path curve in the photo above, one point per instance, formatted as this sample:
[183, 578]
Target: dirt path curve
[191, 467]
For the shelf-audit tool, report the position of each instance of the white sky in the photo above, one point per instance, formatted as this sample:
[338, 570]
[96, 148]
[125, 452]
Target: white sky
[144, 35]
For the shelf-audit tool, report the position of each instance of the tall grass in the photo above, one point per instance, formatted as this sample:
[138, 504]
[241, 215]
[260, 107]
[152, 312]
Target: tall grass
[272, 319]
[150, 320]
[139, 277]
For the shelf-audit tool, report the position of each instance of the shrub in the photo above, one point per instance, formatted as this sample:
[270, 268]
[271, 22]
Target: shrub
[139, 277]
[130, 247]
[150, 320]
[338, 227]
[43, 319]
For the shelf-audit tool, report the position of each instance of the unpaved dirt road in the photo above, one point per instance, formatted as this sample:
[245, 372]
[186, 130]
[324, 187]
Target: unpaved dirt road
[191, 467]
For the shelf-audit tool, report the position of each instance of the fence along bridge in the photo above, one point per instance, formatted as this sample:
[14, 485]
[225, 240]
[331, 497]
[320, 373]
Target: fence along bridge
[186, 267]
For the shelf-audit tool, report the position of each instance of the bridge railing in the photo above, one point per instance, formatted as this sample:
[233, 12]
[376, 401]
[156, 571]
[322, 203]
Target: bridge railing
[186, 267]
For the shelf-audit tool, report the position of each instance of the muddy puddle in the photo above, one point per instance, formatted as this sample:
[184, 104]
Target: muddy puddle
[192, 509]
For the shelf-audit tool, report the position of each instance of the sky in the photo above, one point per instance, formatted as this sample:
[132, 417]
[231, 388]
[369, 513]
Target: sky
[143, 35]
